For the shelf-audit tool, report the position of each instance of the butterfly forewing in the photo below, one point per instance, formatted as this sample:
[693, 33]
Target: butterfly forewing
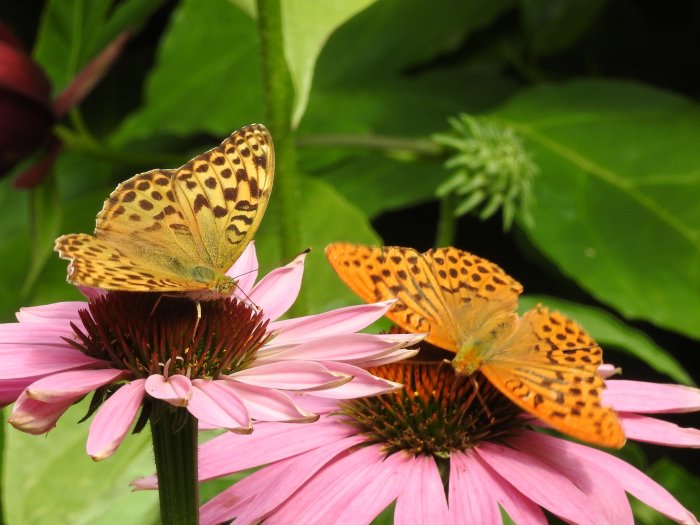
[143, 214]
[377, 274]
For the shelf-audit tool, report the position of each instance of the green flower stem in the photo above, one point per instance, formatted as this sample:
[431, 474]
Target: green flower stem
[278, 95]
[447, 223]
[423, 147]
[174, 434]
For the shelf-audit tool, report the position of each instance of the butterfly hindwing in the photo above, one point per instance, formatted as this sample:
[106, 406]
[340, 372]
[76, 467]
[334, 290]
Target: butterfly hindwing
[549, 368]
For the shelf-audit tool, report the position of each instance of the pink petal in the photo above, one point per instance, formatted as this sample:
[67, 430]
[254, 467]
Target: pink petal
[278, 290]
[269, 443]
[519, 508]
[64, 311]
[49, 359]
[70, 385]
[603, 491]
[10, 389]
[470, 500]
[217, 404]
[113, 420]
[540, 483]
[245, 271]
[650, 398]
[650, 430]
[341, 321]
[264, 404]
[50, 333]
[363, 383]
[423, 498]
[332, 495]
[176, 390]
[37, 417]
[392, 357]
[91, 293]
[632, 480]
[351, 348]
[290, 375]
[260, 493]
[314, 404]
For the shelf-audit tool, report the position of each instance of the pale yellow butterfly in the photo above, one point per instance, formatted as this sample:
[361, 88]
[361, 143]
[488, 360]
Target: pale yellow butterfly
[179, 230]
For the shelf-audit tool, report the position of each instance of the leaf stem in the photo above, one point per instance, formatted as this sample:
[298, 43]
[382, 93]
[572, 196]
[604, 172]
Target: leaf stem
[381, 142]
[174, 434]
[447, 222]
[278, 97]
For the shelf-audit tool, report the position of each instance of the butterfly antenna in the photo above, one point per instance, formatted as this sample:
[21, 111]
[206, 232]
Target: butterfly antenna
[248, 297]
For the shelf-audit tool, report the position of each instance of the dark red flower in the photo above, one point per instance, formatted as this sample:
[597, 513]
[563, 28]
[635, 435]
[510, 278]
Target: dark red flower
[26, 114]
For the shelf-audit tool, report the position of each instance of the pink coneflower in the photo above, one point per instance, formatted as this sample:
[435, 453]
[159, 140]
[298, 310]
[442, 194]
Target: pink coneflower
[234, 366]
[447, 449]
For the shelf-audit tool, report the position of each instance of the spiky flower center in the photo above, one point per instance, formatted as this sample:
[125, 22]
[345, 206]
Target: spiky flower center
[437, 412]
[154, 334]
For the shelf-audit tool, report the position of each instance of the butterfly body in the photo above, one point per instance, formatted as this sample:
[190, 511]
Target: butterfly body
[542, 361]
[178, 231]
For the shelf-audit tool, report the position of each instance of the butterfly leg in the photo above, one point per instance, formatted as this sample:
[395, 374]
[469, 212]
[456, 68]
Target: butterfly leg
[155, 305]
[198, 306]
[485, 407]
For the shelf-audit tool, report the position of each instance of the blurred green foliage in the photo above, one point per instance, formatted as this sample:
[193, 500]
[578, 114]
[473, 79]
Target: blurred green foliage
[614, 130]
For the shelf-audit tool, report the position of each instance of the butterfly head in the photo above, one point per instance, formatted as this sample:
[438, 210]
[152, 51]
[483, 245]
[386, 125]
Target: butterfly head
[224, 285]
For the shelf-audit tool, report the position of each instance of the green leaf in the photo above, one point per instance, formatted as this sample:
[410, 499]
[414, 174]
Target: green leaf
[206, 78]
[46, 210]
[307, 26]
[73, 32]
[552, 25]
[326, 217]
[51, 479]
[388, 108]
[613, 334]
[14, 249]
[415, 106]
[617, 199]
[678, 481]
[389, 36]
[376, 183]
[68, 37]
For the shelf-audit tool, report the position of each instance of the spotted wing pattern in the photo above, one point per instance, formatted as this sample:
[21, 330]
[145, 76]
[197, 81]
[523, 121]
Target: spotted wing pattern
[543, 362]
[548, 366]
[432, 288]
[103, 265]
[175, 223]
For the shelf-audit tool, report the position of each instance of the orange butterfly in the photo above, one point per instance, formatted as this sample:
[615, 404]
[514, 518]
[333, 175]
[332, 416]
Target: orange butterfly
[543, 362]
